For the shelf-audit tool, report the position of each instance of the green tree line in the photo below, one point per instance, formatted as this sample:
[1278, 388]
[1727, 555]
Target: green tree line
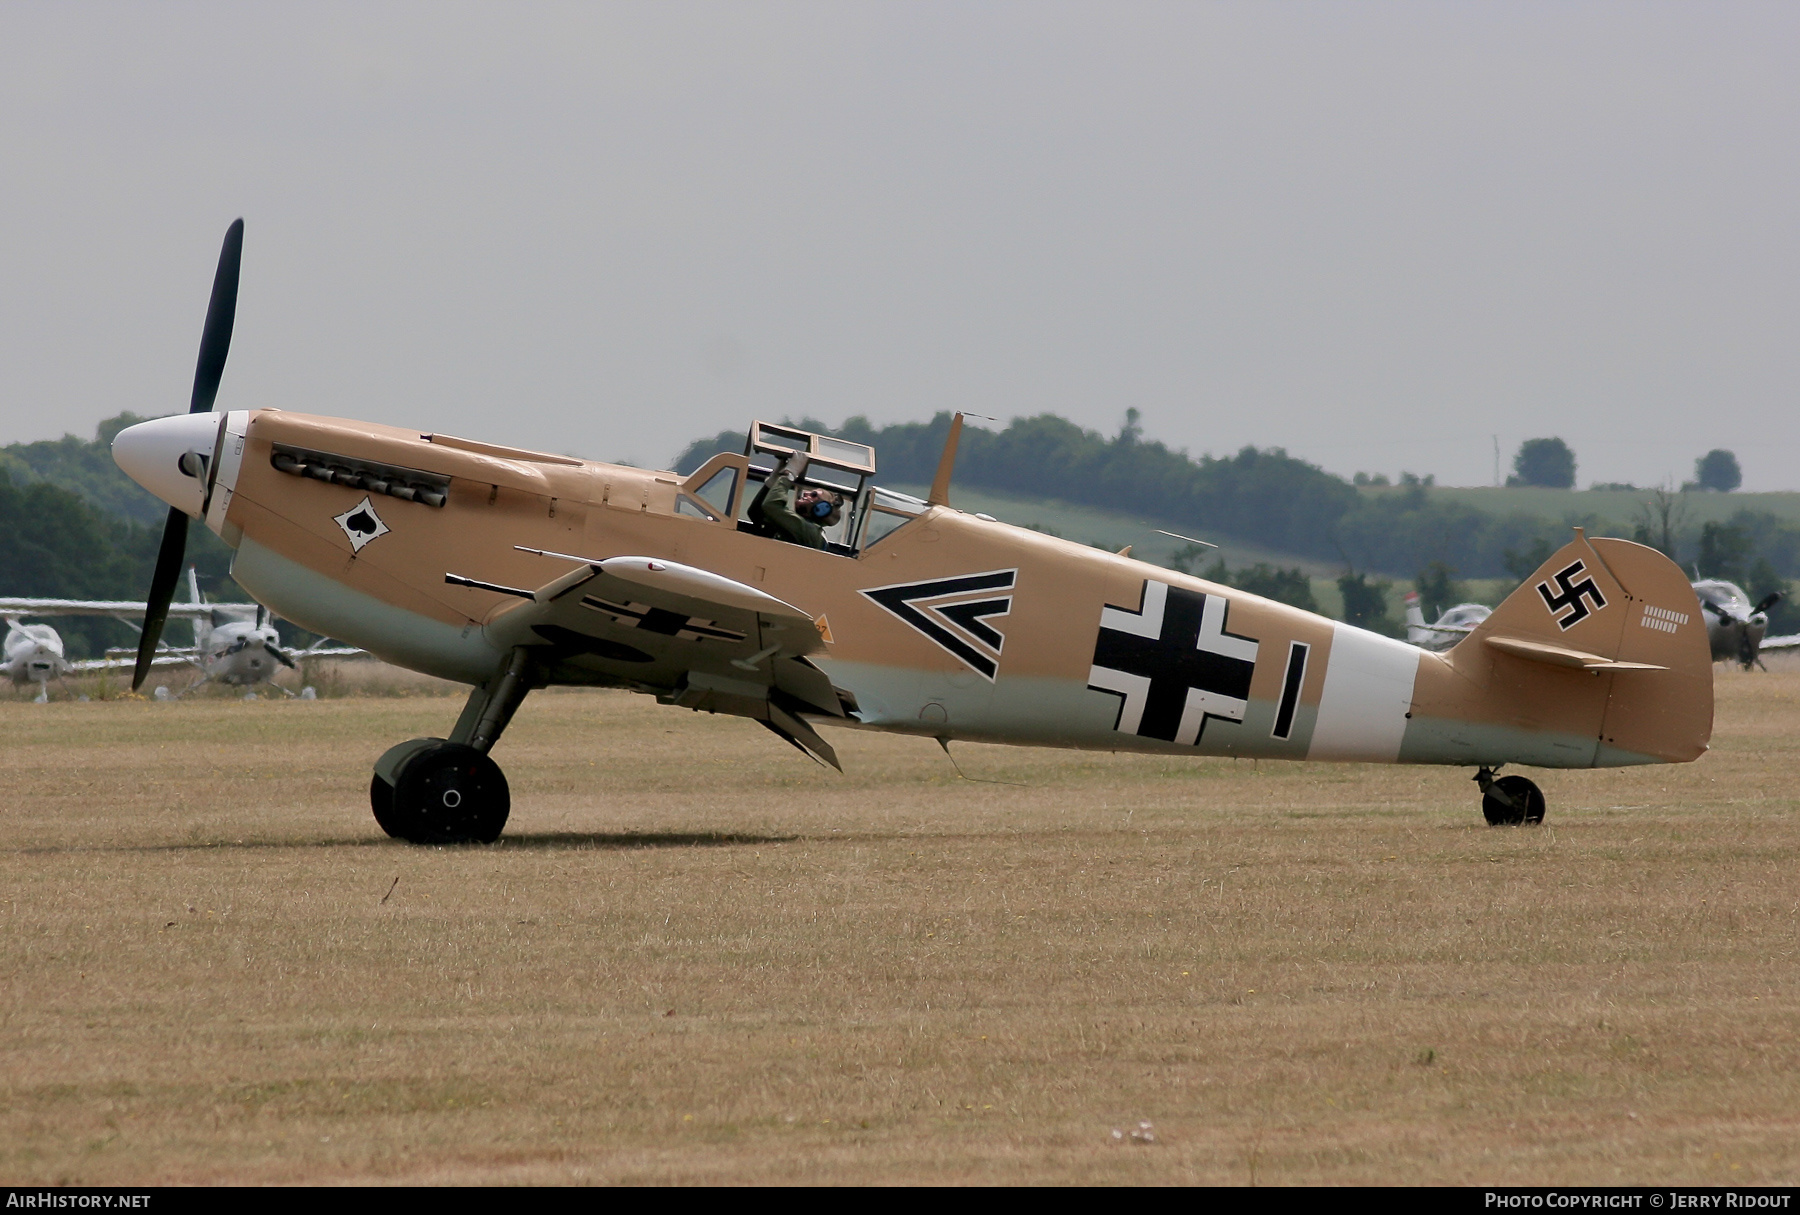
[1258, 496]
[72, 526]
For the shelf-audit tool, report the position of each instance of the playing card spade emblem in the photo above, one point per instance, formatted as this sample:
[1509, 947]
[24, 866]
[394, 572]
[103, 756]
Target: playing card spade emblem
[361, 524]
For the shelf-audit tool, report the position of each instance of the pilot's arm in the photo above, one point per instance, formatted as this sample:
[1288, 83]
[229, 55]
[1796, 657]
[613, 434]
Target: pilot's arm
[778, 511]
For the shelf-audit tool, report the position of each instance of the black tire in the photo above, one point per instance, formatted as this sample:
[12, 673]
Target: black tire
[1523, 802]
[448, 793]
[381, 801]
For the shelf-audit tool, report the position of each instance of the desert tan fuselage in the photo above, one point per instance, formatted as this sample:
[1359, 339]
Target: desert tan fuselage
[958, 627]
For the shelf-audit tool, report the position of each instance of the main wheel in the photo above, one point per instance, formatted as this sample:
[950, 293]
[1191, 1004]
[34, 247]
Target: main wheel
[381, 800]
[445, 793]
[1512, 800]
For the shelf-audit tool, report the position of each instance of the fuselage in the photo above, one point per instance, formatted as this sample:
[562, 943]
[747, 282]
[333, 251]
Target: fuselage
[34, 653]
[948, 625]
[238, 653]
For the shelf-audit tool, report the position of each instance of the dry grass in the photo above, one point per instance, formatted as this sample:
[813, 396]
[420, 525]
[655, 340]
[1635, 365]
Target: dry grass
[330, 678]
[696, 957]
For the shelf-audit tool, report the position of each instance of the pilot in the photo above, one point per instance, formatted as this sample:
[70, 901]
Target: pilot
[798, 517]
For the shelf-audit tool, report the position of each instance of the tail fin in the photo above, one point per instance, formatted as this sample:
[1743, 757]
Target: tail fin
[1416, 633]
[1605, 639]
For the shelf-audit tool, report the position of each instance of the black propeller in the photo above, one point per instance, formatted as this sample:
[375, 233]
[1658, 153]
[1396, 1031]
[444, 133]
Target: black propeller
[282, 658]
[215, 344]
[1768, 601]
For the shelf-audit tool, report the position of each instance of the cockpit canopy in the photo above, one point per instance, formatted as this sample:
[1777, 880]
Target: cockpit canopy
[722, 489]
[1725, 600]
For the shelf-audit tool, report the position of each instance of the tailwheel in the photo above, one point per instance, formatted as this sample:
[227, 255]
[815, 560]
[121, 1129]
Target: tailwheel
[1509, 800]
[437, 792]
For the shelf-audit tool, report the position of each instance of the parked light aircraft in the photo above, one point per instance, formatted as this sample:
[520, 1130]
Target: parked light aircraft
[1734, 627]
[1452, 625]
[237, 645]
[510, 570]
[34, 654]
[234, 644]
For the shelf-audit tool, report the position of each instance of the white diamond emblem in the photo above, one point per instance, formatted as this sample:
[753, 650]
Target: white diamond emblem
[361, 524]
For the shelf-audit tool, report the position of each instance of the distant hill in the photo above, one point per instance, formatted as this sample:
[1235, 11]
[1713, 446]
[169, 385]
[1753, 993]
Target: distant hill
[1615, 509]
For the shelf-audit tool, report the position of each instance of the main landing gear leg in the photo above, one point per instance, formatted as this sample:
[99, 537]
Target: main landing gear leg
[448, 791]
[1509, 800]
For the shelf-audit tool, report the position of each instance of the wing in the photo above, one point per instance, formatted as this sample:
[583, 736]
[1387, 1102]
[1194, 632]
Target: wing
[104, 607]
[124, 659]
[1789, 642]
[695, 638]
[162, 659]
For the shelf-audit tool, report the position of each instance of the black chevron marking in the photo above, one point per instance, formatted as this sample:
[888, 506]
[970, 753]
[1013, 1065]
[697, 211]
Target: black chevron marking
[980, 648]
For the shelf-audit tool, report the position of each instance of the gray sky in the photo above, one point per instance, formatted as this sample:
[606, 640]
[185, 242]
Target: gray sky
[1375, 234]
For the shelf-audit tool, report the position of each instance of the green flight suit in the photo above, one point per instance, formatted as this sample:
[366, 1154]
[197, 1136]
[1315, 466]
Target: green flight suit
[779, 517]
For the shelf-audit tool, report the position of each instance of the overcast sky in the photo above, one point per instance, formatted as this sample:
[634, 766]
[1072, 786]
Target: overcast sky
[1374, 234]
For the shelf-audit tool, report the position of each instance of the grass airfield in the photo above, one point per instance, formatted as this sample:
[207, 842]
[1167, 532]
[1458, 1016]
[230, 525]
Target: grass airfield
[696, 957]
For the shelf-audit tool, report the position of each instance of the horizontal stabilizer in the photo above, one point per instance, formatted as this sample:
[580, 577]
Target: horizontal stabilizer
[1562, 656]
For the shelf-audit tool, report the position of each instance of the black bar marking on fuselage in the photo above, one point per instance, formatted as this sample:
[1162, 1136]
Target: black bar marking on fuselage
[1290, 689]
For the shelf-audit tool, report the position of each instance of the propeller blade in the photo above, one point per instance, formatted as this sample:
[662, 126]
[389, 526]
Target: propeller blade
[221, 313]
[1768, 601]
[280, 657]
[215, 344]
[162, 590]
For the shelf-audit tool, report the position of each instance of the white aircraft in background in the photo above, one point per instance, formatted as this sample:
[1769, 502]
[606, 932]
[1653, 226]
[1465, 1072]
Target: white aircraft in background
[234, 643]
[34, 654]
[1734, 626]
[1451, 627]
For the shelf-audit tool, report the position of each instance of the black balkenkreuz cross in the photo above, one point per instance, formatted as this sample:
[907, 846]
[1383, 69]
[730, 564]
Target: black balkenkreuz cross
[660, 620]
[1172, 664]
